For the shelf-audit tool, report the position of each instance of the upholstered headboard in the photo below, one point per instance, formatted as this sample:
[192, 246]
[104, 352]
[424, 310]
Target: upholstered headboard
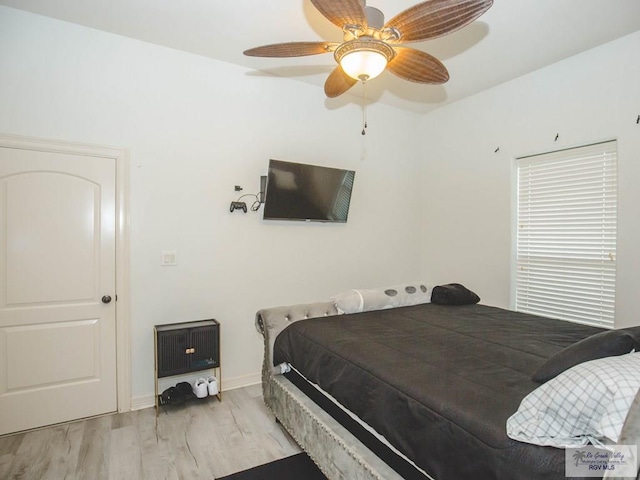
[271, 321]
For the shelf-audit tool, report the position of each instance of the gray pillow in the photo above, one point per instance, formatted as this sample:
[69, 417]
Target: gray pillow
[354, 301]
[605, 344]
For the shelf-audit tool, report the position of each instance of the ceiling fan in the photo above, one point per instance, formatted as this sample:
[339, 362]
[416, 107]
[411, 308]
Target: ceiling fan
[370, 45]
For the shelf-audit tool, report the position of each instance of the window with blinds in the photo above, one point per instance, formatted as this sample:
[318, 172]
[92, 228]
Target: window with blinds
[340, 209]
[566, 234]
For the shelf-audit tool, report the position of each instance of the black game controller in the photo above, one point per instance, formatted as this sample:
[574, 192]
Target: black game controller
[238, 206]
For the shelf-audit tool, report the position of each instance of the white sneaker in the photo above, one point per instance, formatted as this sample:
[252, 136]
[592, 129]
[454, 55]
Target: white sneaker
[212, 384]
[200, 388]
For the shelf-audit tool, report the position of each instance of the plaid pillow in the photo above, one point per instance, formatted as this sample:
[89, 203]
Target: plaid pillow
[586, 403]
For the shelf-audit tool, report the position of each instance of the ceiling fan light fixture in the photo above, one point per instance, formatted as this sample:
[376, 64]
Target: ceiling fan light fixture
[363, 64]
[363, 58]
[370, 45]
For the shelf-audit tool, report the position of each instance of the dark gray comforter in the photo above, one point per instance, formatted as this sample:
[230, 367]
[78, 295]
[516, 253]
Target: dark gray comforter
[439, 382]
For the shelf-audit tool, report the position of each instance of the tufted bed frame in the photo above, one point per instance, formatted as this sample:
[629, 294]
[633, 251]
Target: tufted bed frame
[338, 453]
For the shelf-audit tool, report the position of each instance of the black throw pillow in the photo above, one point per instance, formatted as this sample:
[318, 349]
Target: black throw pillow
[453, 294]
[605, 344]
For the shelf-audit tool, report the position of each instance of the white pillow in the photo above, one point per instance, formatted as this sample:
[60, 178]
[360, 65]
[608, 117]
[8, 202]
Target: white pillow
[586, 403]
[354, 301]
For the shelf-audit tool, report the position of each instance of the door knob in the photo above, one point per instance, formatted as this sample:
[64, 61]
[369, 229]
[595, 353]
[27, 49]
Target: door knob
[106, 299]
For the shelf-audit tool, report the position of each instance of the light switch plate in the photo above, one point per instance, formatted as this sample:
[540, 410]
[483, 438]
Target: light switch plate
[169, 258]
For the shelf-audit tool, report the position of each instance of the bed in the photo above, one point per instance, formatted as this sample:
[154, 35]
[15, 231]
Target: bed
[438, 382]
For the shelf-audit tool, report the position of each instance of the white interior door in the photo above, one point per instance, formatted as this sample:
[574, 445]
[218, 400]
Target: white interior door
[57, 262]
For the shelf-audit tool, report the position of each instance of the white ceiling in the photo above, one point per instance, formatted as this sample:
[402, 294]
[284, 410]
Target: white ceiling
[513, 38]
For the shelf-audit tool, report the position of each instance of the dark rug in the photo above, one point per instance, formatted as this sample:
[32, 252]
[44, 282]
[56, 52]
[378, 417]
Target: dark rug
[295, 467]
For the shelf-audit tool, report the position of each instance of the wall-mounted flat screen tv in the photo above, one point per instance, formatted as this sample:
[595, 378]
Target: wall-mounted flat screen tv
[297, 191]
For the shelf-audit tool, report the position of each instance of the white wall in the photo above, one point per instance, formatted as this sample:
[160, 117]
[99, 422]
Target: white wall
[196, 127]
[467, 186]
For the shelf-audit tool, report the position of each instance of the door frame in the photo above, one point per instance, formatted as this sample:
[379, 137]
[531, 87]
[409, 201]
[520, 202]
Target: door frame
[123, 303]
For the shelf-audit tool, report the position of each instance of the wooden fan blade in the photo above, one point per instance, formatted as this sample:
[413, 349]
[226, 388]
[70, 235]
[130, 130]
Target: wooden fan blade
[342, 12]
[338, 82]
[417, 66]
[292, 49]
[435, 18]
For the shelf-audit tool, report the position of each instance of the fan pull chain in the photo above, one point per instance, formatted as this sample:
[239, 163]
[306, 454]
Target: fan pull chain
[364, 107]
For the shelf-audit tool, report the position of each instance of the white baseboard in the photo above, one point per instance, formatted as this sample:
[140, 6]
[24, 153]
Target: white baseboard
[243, 381]
[146, 401]
[142, 401]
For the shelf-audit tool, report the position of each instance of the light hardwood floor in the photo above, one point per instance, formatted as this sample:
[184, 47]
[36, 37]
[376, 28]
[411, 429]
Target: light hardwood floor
[203, 439]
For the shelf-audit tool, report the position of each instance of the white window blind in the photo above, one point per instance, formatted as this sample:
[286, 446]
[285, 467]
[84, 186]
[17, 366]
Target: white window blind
[566, 234]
